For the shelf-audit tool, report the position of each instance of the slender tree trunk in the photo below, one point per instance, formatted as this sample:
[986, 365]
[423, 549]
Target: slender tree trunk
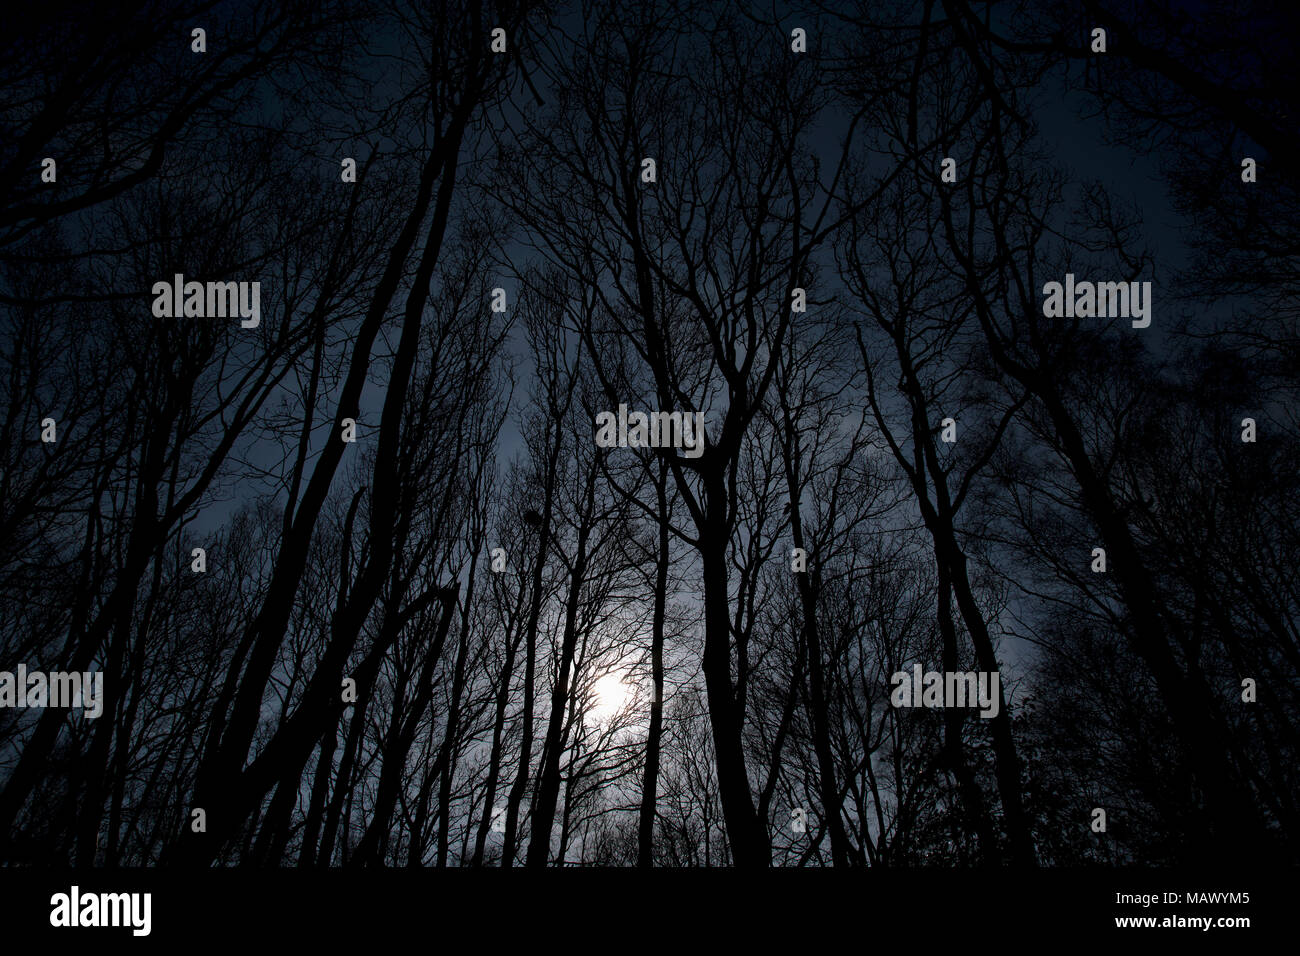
[319, 792]
[451, 740]
[374, 841]
[747, 834]
[494, 757]
[954, 748]
[650, 780]
[520, 785]
[548, 790]
[809, 585]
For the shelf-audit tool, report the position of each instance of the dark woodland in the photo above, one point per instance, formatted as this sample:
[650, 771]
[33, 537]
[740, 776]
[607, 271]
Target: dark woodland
[476, 637]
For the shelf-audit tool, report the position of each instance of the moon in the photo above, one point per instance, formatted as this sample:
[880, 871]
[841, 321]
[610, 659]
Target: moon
[610, 695]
